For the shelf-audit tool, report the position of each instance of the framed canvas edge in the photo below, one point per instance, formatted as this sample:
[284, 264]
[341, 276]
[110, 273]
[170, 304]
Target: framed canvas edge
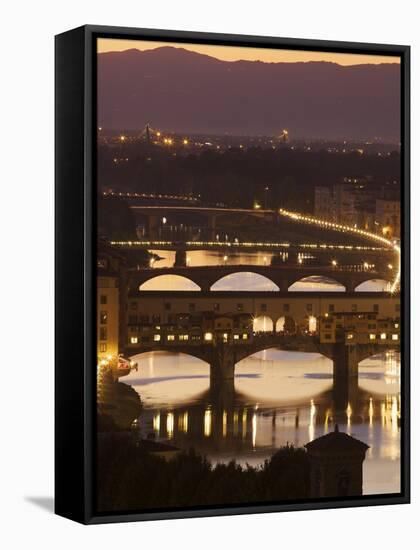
[91, 33]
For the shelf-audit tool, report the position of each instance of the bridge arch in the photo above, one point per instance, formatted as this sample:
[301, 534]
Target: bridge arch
[373, 285]
[244, 281]
[286, 324]
[317, 283]
[170, 282]
[263, 323]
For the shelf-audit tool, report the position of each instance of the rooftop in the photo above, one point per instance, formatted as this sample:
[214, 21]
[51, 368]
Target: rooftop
[336, 441]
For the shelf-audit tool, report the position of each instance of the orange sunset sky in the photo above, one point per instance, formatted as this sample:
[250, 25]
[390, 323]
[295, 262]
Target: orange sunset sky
[233, 53]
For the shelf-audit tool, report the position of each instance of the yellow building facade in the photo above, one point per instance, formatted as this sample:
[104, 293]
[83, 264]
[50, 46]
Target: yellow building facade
[107, 305]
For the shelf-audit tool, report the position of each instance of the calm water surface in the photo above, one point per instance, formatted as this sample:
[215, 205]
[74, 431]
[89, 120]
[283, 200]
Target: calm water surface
[279, 397]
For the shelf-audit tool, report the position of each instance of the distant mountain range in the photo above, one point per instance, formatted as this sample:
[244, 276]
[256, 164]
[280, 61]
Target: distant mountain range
[178, 90]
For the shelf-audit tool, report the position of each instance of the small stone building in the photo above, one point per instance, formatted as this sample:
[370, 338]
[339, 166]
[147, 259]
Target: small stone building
[336, 465]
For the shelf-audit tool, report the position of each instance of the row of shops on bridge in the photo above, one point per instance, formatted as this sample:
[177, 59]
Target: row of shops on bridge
[238, 328]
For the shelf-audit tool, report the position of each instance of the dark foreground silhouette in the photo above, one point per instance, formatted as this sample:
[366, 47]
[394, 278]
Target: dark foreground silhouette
[131, 479]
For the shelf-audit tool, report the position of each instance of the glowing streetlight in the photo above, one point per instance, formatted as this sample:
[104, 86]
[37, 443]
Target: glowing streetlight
[164, 220]
[334, 263]
[122, 138]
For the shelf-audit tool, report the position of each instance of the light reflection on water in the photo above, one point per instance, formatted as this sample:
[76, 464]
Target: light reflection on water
[280, 397]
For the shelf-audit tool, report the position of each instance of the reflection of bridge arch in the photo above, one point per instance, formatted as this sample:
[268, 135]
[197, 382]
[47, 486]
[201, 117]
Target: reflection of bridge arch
[170, 282]
[239, 277]
[363, 286]
[315, 279]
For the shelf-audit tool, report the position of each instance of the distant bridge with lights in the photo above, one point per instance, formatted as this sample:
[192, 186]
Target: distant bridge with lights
[283, 276]
[293, 251]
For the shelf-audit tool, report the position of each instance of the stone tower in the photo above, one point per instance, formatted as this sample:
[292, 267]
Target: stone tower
[336, 465]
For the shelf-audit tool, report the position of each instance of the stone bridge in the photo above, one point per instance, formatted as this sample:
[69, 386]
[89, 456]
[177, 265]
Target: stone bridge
[223, 356]
[283, 276]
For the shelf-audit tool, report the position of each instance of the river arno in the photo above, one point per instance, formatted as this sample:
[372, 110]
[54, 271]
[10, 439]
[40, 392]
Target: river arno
[279, 397]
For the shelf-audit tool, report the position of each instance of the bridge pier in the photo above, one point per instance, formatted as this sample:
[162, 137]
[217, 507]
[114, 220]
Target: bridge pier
[212, 227]
[180, 258]
[153, 223]
[345, 374]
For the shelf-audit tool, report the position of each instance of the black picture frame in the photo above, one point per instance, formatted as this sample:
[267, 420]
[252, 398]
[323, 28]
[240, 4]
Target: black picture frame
[75, 250]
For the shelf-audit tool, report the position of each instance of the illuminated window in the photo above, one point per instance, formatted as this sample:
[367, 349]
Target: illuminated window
[372, 336]
[183, 336]
[383, 336]
[312, 324]
[350, 336]
[395, 336]
[225, 337]
[396, 325]
[236, 336]
[171, 337]
[102, 348]
[134, 340]
[208, 336]
[156, 337]
[244, 336]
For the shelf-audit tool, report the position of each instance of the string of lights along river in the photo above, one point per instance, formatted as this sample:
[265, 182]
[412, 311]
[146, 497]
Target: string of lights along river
[279, 396]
